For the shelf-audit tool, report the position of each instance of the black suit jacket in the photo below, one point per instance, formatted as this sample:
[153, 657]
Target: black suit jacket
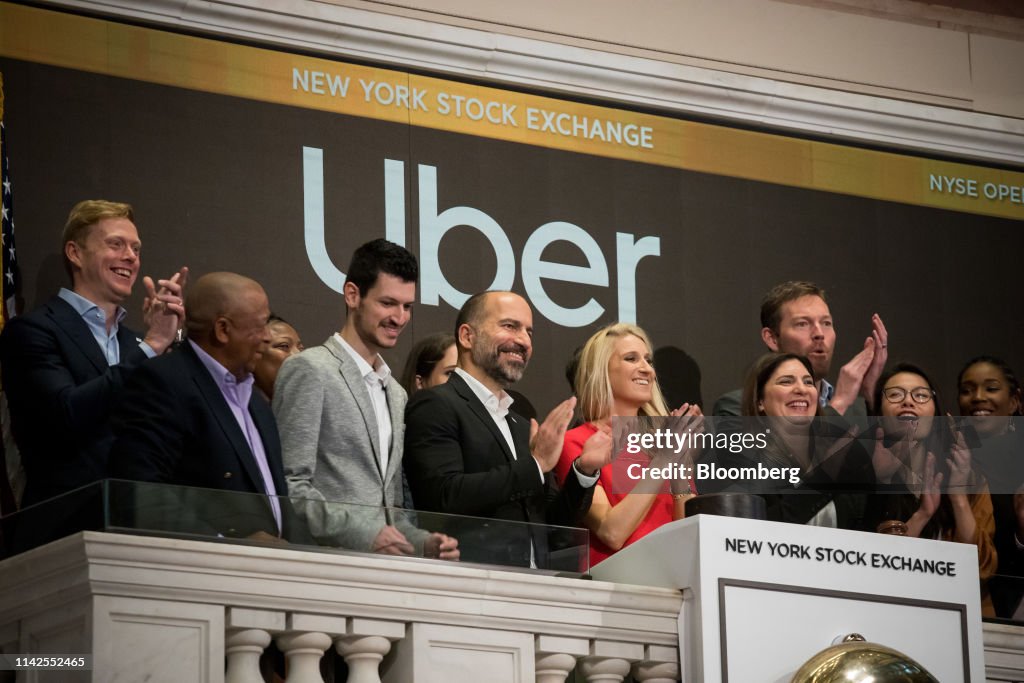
[61, 394]
[175, 427]
[458, 462]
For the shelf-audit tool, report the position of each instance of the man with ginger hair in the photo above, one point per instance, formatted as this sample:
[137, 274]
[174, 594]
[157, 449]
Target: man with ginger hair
[65, 363]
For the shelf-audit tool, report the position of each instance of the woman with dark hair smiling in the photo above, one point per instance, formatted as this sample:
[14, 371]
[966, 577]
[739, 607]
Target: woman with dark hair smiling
[990, 395]
[834, 473]
[990, 401]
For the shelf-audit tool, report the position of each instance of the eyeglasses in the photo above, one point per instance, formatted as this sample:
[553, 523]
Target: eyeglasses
[918, 394]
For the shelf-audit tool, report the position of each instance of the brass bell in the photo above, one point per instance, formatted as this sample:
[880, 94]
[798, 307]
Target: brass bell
[894, 527]
[854, 660]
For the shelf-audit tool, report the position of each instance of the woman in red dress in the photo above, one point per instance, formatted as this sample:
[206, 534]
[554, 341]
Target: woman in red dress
[615, 377]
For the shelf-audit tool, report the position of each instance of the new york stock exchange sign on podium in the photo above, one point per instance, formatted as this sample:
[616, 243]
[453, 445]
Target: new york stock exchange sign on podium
[761, 598]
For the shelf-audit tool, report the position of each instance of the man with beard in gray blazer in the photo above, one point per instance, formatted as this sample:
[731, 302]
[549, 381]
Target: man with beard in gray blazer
[340, 415]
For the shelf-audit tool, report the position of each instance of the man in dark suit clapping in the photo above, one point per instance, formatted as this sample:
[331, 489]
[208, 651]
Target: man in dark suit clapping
[469, 454]
[65, 363]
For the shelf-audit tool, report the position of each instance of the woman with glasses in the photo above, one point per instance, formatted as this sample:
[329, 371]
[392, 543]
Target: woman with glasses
[924, 462]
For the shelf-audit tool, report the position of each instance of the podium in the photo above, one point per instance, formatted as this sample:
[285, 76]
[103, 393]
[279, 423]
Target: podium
[760, 598]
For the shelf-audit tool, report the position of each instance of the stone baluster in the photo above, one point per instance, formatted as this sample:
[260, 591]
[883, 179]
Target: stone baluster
[364, 645]
[556, 657]
[554, 667]
[248, 632]
[243, 648]
[609, 661]
[307, 638]
[660, 665]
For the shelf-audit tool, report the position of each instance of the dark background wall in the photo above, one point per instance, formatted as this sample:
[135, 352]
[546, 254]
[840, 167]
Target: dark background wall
[217, 184]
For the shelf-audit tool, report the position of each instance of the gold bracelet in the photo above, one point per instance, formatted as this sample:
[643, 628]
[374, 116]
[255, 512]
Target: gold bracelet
[683, 496]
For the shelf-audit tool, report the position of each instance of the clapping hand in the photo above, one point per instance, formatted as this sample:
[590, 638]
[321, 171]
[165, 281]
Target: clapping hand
[546, 439]
[597, 451]
[881, 338]
[163, 309]
[851, 377]
[961, 474]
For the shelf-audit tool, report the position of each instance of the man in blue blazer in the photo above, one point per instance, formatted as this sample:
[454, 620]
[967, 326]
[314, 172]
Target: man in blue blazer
[65, 363]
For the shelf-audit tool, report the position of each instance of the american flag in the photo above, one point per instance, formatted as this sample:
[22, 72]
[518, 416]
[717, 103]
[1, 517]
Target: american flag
[10, 282]
[11, 277]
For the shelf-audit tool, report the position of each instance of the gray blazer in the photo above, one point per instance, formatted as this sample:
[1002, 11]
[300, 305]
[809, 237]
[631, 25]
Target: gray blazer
[331, 450]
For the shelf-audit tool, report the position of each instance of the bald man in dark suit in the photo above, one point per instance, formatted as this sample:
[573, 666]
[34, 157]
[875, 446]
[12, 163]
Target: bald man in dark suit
[467, 453]
[192, 418]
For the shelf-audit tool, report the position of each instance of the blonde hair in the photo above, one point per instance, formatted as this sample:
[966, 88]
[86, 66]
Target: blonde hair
[84, 215]
[593, 386]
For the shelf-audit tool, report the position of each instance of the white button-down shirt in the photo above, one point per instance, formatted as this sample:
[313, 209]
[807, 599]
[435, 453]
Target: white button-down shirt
[497, 406]
[376, 384]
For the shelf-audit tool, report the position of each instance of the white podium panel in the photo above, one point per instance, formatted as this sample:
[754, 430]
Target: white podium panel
[801, 618]
[762, 597]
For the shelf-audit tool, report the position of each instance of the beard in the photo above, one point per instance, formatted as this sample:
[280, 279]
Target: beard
[820, 366]
[505, 371]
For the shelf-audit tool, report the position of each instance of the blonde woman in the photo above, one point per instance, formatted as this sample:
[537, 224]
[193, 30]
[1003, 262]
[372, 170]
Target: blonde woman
[615, 377]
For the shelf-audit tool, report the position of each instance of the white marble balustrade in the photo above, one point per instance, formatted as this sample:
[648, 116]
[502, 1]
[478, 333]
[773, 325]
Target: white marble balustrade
[160, 609]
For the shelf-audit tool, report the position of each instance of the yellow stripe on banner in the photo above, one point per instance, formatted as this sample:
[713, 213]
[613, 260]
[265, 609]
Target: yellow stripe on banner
[154, 56]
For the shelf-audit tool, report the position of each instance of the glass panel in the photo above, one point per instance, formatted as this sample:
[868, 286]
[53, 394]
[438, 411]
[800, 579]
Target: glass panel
[1007, 594]
[229, 516]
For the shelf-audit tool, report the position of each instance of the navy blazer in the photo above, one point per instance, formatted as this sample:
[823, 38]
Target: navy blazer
[175, 427]
[61, 393]
[458, 462]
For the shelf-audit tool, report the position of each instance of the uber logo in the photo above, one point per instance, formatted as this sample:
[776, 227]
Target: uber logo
[434, 224]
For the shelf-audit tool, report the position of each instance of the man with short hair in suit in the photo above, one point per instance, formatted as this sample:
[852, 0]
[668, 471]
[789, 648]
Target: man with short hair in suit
[191, 417]
[469, 454]
[65, 363]
[340, 414]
